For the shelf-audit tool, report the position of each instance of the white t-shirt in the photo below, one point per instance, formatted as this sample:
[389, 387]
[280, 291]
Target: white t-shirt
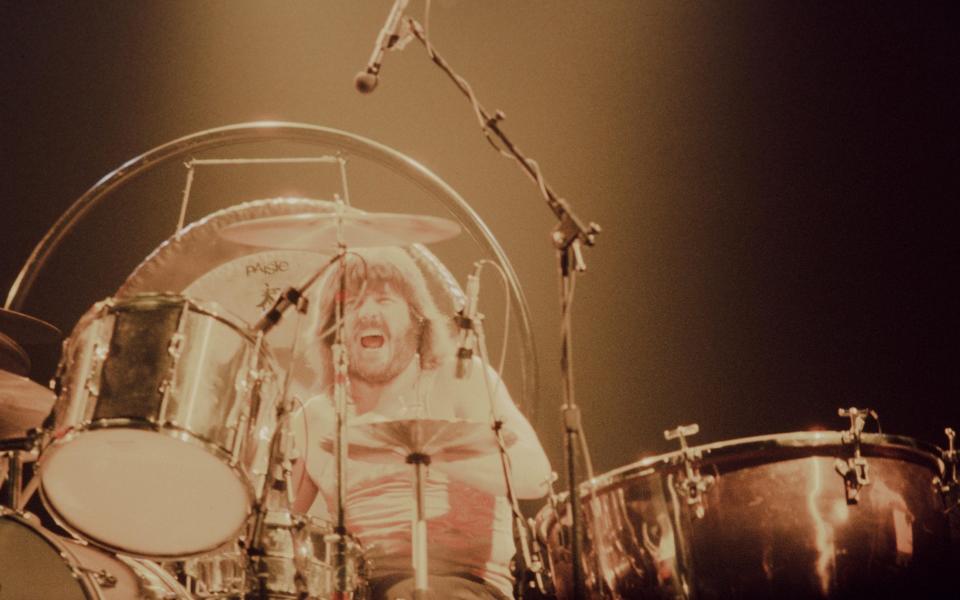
[468, 530]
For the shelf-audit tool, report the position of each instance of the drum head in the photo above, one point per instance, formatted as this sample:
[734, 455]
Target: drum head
[34, 564]
[123, 488]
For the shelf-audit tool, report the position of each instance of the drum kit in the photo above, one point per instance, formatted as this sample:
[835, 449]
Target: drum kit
[161, 449]
[160, 453]
[163, 454]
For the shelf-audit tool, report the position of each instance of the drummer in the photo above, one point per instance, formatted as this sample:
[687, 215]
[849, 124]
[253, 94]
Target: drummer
[402, 365]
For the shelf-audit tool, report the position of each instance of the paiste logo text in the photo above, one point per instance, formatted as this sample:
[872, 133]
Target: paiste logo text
[267, 268]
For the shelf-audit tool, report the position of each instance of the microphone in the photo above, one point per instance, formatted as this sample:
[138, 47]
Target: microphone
[366, 81]
[465, 320]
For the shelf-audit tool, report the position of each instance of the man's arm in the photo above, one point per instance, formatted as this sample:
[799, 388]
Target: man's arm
[305, 489]
[530, 468]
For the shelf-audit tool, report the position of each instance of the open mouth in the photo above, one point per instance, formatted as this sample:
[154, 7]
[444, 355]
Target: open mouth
[371, 341]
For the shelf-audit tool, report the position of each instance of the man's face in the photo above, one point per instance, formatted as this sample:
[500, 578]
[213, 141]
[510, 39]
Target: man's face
[380, 335]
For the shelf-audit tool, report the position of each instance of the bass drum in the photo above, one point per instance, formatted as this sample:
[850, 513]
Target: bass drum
[35, 564]
[763, 517]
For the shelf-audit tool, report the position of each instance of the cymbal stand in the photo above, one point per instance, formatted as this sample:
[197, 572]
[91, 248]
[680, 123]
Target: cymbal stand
[532, 560]
[12, 452]
[279, 450]
[341, 370]
[568, 237]
[419, 461]
[278, 480]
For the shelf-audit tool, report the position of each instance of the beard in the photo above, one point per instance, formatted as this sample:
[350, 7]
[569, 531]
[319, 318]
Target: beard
[380, 374]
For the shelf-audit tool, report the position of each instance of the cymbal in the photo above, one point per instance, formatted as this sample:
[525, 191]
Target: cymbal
[26, 329]
[13, 357]
[24, 404]
[441, 439]
[318, 232]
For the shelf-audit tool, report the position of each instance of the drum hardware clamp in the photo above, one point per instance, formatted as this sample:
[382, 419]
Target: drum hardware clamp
[694, 485]
[949, 484]
[854, 470]
[103, 577]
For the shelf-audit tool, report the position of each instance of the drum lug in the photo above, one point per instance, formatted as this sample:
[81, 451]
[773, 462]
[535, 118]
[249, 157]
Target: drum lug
[693, 486]
[56, 382]
[949, 484]
[101, 576]
[856, 474]
[238, 437]
[855, 471]
[175, 350]
[92, 385]
[248, 387]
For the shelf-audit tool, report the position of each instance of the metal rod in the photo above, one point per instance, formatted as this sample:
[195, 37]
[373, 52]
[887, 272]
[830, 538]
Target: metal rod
[340, 397]
[420, 566]
[185, 200]
[343, 179]
[532, 561]
[263, 161]
[571, 421]
[570, 227]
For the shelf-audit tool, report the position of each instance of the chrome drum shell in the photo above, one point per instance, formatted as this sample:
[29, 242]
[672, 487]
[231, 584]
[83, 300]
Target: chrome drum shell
[775, 522]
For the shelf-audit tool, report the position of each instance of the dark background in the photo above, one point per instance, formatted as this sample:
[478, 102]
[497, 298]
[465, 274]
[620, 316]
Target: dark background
[776, 180]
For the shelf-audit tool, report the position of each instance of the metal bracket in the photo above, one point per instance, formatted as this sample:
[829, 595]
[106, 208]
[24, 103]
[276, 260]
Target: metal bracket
[949, 484]
[175, 351]
[855, 471]
[91, 385]
[102, 577]
[693, 486]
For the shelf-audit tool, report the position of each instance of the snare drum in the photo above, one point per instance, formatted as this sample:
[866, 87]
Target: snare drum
[763, 517]
[35, 564]
[300, 558]
[161, 430]
[217, 576]
[297, 561]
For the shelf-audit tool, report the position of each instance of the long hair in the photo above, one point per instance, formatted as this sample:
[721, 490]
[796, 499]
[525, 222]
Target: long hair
[373, 268]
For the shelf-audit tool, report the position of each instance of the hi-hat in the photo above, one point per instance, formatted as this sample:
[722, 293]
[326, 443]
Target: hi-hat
[441, 439]
[24, 404]
[319, 232]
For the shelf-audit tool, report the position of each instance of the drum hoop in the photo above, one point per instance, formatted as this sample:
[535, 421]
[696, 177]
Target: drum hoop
[767, 448]
[62, 522]
[70, 559]
[132, 304]
[208, 308]
[153, 568]
[178, 434]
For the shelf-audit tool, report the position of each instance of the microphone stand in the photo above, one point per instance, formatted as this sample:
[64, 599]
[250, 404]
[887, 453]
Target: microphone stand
[568, 237]
[532, 561]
